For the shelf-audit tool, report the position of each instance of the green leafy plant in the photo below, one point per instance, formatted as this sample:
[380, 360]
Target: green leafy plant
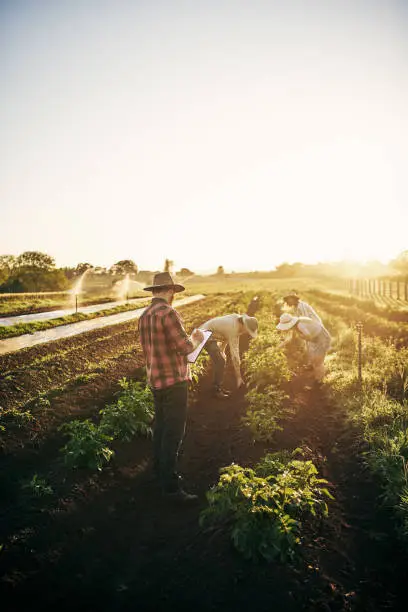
[198, 368]
[15, 419]
[131, 414]
[87, 446]
[38, 487]
[263, 508]
[266, 370]
[264, 412]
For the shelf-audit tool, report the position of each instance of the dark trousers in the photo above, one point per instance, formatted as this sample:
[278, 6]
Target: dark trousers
[169, 427]
[218, 360]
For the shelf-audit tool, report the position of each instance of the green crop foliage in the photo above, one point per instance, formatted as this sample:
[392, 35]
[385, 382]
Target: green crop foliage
[266, 370]
[263, 508]
[15, 419]
[87, 446]
[264, 412]
[131, 414]
[37, 487]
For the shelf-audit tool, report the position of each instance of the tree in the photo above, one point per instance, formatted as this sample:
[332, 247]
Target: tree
[220, 271]
[168, 265]
[286, 270]
[32, 279]
[35, 260]
[124, 266]
[82, 268]
[401, 263]
[7, 264]
[69, 272]
[185, 272]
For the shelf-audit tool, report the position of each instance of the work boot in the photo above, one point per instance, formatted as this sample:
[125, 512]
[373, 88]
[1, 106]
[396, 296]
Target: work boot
[220, 393]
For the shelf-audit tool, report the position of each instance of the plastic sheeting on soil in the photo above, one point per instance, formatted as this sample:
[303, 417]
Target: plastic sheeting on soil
[56, 314]
[65, 331]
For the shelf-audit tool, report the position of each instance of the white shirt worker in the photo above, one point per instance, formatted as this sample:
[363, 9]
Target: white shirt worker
[226, 330]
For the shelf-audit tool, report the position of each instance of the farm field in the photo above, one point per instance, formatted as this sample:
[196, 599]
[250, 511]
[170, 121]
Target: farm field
[106, 539]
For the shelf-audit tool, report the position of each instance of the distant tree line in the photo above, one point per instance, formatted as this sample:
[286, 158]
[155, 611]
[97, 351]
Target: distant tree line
[34, 271]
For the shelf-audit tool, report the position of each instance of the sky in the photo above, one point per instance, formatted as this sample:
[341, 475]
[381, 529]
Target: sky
[235, 133]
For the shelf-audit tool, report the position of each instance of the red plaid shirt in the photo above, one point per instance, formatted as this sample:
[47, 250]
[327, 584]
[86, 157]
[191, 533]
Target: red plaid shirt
[165, 345]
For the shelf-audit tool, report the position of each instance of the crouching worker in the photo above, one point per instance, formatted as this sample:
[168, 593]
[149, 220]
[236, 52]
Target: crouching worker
[316, 335]
[226, 331]
[165, 346]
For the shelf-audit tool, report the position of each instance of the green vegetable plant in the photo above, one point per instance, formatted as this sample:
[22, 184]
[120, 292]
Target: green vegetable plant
[88, 445]
[131, 414]
[37, 487]
[263, 508]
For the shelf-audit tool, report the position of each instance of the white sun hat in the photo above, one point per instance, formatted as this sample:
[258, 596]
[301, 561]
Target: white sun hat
[251, 325]
[286, 321]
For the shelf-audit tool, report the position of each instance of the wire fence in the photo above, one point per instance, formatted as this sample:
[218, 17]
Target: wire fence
[381, 287]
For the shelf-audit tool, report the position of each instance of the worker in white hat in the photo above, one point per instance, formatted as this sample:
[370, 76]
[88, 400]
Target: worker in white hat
[226, 331]
[316, 335]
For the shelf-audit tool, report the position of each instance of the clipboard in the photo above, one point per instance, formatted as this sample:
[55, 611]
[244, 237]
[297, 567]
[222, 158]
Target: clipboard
[192, 357]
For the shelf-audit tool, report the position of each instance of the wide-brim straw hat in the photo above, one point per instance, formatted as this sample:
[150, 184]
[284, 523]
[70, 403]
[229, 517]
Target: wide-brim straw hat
[287, 321]
[163, 280]
[251, 325]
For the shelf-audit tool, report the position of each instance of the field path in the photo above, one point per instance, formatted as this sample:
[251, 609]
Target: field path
[65, 331]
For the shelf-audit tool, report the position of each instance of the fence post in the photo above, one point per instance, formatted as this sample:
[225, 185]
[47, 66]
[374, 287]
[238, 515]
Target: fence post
[390, 289]
[76, 303]
[359, 328]
[406, 290]
[398, 290]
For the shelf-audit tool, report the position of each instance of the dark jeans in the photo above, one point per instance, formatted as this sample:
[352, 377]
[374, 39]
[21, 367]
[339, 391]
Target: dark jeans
[169, 426]
[218, 360]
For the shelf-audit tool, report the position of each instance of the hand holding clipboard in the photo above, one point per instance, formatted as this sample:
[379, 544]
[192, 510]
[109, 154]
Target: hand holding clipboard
[192, 357]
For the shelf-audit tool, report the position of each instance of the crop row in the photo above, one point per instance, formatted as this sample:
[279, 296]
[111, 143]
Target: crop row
[352, 313]
[265, 507]
[376, 408]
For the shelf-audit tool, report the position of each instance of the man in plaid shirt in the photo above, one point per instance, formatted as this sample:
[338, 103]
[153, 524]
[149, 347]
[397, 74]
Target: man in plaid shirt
[165, 346]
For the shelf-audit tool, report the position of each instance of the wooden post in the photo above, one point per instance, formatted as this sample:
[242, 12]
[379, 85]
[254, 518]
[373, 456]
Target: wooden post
[76, 303]
[390, 284]
[398, 290]
[406, 290]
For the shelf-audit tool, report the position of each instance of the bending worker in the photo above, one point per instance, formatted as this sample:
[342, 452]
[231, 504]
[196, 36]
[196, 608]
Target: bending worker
[226, 330]
[316, 335]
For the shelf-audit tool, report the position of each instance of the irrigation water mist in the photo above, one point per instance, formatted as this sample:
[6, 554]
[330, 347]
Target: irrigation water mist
[127, 286]
[77, 288]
